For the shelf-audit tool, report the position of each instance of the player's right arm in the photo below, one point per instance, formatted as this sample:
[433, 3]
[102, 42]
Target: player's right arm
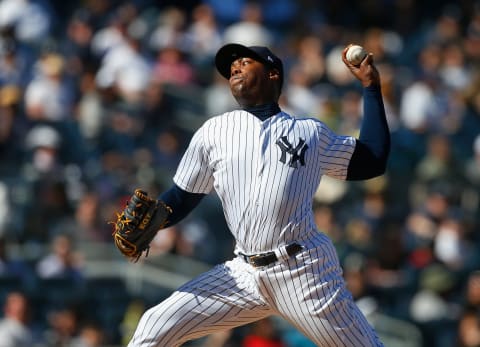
[181, 202]
[193, 180]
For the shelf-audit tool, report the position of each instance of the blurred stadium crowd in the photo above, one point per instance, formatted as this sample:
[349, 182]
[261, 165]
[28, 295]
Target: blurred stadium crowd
[98, 97]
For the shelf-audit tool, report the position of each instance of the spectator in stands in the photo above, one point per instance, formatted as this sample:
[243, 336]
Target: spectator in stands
[172, 67]
[439, 163]
[15, 267]
[43, 145]
[75, 45]
[432, 306]
[124, 70]
[63, 327]
[453, 245]
[469, 329]
[48, 96]
[169, 30]
[14, 69]
[472, 291]
[62, 261]
[472, 174]
[203, 35]
[12, 129]
[250, 30]
[90, 335]
[14, 329]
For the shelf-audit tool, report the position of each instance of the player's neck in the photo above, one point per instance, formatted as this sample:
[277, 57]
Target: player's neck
[263, 111]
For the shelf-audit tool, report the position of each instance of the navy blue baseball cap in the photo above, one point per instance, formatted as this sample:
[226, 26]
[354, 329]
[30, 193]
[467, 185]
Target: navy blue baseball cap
[232, 51]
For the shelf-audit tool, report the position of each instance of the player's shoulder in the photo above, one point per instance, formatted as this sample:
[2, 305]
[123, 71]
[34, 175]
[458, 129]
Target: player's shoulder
[303, 120]
[214, 123]
[224, 116]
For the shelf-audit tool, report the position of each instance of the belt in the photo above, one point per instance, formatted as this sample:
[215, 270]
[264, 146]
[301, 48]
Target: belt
[264, 259]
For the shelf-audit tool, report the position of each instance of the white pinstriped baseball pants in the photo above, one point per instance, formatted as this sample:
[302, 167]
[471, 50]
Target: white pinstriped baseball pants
[307, 290]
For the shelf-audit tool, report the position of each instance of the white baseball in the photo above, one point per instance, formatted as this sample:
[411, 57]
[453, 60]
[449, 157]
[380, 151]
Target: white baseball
[355, 54]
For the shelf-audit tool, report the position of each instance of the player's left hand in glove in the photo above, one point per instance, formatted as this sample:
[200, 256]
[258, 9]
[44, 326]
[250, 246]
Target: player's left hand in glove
[138, 223]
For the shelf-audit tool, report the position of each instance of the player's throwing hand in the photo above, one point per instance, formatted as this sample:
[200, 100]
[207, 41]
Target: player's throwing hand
[366, 72]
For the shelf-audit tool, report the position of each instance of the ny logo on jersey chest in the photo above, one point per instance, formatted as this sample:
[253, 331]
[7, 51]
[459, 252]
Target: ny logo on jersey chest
[296, 154]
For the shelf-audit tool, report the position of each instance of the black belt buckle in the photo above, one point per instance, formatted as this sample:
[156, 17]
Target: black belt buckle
[254, 259]
[293, 249]
[264, 259]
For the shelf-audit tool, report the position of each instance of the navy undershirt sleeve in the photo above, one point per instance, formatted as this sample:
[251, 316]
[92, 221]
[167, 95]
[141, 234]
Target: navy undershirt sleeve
[181, 202]
[370, 156]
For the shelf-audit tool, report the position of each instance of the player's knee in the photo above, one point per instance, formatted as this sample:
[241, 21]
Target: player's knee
[157, 327]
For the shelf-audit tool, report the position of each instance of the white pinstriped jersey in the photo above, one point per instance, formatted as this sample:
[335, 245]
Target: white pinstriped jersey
[264, 172]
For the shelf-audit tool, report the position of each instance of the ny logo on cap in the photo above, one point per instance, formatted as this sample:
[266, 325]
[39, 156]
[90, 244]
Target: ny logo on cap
[270, 59]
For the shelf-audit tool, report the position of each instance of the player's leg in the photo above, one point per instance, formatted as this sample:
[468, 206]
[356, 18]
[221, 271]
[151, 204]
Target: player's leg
[342, 324]
[220, 299]
[310, 293]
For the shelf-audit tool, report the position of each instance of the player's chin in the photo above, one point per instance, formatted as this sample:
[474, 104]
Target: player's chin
[238, 89]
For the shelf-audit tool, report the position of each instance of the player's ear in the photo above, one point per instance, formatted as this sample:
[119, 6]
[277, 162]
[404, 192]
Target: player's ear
[274, 74]
[276, 78]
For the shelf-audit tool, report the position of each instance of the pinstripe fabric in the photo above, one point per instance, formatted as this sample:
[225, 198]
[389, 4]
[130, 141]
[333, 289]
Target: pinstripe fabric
[236, 154]
[222, 298]
[307, 290]
[265, 174]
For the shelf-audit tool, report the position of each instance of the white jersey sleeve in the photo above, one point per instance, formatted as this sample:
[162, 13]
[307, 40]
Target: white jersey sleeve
[337, 151]
[194, 173]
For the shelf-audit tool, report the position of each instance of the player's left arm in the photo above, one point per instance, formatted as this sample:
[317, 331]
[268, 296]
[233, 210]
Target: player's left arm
[369, 159]
[181, 203]
[372, 148]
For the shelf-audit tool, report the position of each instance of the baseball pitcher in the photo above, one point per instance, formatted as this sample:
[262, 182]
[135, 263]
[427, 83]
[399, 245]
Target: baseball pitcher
[265, 165]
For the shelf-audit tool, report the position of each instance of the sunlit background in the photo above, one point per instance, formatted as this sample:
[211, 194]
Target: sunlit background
[99, 97]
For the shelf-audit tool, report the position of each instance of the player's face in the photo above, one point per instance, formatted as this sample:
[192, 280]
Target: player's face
[250, 82]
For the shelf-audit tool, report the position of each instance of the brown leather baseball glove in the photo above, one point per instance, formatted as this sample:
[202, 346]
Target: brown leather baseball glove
[138, 223]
